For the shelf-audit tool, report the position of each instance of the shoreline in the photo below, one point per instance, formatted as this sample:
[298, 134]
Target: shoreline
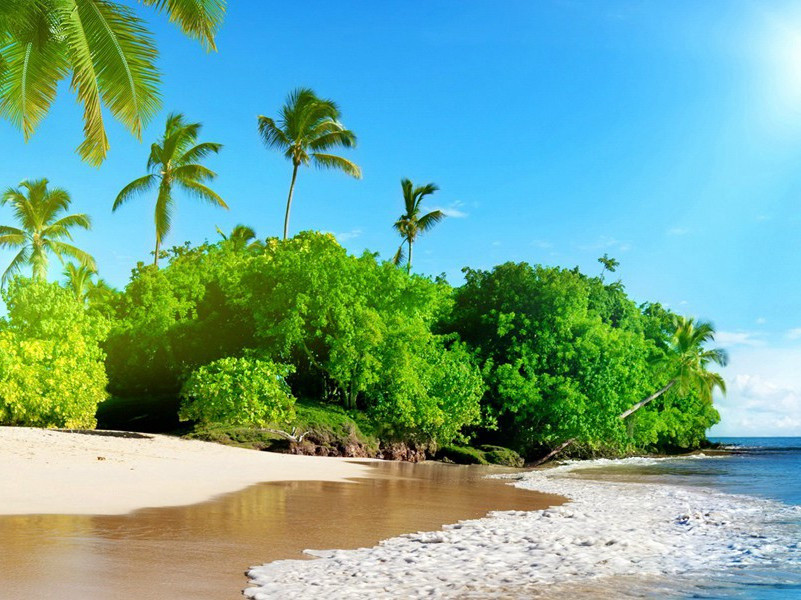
[50, 471]
[608, 536]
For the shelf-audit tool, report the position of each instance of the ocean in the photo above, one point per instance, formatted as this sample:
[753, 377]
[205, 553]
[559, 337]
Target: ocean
[768, 468]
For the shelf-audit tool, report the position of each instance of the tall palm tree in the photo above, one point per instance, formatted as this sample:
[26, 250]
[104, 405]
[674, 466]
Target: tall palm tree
[306, 129]
[687, 362]
[609, 264]
[174, 160]
[103, 46]
[43, 228]
[411, 223]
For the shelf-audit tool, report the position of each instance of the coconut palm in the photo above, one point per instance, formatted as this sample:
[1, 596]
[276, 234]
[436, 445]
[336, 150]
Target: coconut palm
[241, 236]
[307, 128]
[43, 227]
[686, 363]
[104, 47]
[174, 161]
[411, 224]
[79, 279]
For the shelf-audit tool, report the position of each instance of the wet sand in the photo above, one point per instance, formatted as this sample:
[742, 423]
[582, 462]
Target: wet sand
[201, 551]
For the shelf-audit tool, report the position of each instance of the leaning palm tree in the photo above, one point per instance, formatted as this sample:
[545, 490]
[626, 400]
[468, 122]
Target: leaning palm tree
[104, 47]
[43, 227]
[686, 362]
[79, 279]
[174, 161]
[411, 223]
[306, 130]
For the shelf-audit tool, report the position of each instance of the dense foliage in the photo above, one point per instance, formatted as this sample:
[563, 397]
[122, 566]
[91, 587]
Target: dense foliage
[524, 357]
[238, 391]
[51, 365]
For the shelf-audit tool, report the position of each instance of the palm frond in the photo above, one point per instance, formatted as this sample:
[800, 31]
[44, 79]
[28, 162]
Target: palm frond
[61, 228]
[426, 222]
[163, 214]
[136, 187]
[196, 173]
[199, 19]
[271, 135]
[200, 191]
[31, 72]
[21, 259]
[330, 161]
[60, 249]
[199, 152]
[400, 255]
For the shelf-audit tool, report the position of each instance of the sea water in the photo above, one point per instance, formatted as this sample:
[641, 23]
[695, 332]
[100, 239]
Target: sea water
[724, 526]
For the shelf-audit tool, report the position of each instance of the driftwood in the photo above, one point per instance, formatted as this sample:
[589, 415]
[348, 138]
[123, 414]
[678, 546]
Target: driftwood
[292, 437]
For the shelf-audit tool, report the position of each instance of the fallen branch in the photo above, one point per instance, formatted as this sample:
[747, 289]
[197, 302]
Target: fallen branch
[292, 437]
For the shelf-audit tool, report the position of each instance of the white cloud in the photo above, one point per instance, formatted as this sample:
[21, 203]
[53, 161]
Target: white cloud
[348, 235]
[793, 334]
[738, 338]
[607, 243]
[764, 392]
[761, 321]
[678, 231]
[544, 244]
[454, 210]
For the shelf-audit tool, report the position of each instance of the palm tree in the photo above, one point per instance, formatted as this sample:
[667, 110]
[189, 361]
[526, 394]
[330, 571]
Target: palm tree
[43, 228]
[609, 264]
[105, 48]
[79, 279]
[241, 236]
[174, 160]
[687, 363]
[306, 129]
[411, 223]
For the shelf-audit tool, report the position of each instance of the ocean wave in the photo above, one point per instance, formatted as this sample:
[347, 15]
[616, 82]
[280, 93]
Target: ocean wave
[607, 532]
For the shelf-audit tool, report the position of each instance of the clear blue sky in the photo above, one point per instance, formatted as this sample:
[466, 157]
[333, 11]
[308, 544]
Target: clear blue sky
[666, 134]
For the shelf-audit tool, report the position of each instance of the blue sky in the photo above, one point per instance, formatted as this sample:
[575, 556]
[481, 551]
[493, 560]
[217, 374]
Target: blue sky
[665, 134]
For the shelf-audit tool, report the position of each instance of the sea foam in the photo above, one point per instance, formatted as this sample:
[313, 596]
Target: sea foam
[669, 536]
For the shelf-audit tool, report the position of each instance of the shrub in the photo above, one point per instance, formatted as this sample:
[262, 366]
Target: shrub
[238, 391]
[498, 455]
[51, 364]
[462, 455]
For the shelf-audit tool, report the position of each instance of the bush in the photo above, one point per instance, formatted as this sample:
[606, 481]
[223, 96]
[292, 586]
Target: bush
[51, 364]
[462, 455]
[238, 391]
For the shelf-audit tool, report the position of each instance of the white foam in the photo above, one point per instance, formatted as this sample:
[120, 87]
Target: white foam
[607, 529]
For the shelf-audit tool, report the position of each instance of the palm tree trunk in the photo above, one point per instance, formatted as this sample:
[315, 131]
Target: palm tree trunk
[622, 416]
[409, 262]
[289, 200]
[650, 398]
[158, 248]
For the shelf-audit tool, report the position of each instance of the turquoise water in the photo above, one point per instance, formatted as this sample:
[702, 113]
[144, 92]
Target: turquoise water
[768, 468]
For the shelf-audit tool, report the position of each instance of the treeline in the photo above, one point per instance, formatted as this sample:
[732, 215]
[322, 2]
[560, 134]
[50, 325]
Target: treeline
[521, 356]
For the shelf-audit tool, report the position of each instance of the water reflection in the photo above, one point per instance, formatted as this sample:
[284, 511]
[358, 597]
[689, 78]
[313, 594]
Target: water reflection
[201, 551]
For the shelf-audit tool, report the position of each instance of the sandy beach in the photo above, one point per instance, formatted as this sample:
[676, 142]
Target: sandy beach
[108, 473]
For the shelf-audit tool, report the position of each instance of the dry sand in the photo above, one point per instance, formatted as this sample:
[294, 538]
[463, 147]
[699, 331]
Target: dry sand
[97, 473]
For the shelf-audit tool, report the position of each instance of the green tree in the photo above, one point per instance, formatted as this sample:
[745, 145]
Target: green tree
[307, 128]
[174, 161]
[411, 223]
[51, 363]
[106, 49]
[43, 228]
[609, 264]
